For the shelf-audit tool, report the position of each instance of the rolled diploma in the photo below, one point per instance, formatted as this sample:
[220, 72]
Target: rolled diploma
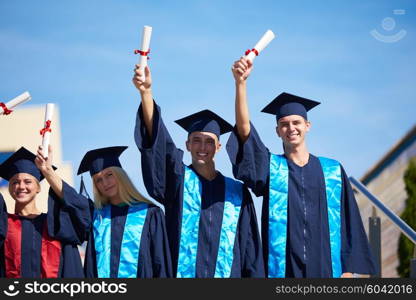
[46, 136]
[16, 101]
[147, 33]
[261, 44]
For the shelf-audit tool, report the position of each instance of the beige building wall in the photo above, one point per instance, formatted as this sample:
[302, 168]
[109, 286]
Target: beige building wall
[389, 187]
[21, 128]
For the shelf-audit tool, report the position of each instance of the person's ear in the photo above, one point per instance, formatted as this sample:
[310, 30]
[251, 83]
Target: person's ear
[308, 125]
[277, 131]
[37, 186]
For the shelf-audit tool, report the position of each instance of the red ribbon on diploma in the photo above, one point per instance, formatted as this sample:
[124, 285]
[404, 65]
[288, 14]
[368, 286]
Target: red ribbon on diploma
[5, 109]
[46, 128]
[142, 53]
[252, 50]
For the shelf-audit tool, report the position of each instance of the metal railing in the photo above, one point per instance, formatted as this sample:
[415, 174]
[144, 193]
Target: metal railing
[403, 227]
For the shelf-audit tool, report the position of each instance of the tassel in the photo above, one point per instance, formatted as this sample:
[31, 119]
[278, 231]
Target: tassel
[83, 189]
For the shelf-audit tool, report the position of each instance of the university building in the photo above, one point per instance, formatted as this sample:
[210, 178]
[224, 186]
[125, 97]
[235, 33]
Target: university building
[385, 181]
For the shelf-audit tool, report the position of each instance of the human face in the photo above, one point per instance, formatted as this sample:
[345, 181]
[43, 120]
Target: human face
[203, 146]
[23, 188]
[106, 183]
[292, 130]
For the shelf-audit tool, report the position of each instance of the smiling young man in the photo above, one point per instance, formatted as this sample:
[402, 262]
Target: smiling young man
[311, 225]
[210, 218]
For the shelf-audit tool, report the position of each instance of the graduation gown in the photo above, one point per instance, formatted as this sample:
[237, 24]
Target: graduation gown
[307, 245]
[163, 174]
[45, 246]
[154, 255]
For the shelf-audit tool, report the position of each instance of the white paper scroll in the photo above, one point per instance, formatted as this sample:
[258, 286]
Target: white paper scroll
[16, 101]
[147, 33]
[46, 131]
[261, 44]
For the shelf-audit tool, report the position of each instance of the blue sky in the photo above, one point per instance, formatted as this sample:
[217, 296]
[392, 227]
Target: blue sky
[79, 54]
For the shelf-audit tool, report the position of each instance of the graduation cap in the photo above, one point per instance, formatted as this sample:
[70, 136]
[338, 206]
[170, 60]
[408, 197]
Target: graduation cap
[22, 161]
[98, 159]
[287, 104]
[205, 120]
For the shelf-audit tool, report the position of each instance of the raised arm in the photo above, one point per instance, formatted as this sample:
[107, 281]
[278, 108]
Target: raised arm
[248, 155]
[241, 70]
[162, 164]
[145, 89]
[69, 213]
[45, 166]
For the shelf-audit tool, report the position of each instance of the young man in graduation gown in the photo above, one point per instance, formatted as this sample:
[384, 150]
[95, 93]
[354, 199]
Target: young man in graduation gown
[35, 244]
[311, 225]
[128, 238]
[210, 218]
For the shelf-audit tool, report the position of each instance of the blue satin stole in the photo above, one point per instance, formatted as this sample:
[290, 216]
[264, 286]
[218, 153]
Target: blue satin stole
[278, 197]
[191, 209]
[130, 244]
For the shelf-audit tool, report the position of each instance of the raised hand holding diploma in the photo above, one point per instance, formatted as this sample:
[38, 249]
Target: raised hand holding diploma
[6, 108]
[261, 44]
[44, 164]
[241, 69]
[142, 86]
[145, 89]
[145, 49]
[46, 130]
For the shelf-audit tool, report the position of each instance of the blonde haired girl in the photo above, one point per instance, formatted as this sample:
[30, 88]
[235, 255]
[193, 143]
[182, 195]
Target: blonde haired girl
[128, 237]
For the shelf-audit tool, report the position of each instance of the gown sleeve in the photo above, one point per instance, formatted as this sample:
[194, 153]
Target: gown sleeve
[161, 161]
[3, 220]
[159, 246]
[69, 219]
[90, 262]
[356, 255]
[250, 160]
[3, 232]
[251, 249]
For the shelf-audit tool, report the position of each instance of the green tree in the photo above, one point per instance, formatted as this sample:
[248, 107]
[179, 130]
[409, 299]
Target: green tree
[406, 247]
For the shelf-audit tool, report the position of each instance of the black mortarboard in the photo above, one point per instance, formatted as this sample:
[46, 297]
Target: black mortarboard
[98, 159]
[22, 161]
[287, 104]
[205, 120]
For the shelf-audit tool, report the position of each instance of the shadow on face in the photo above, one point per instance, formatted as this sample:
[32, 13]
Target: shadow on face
[106, 183]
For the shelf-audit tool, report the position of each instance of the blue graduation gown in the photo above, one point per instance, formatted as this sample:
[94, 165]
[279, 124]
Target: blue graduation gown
[154, 255]
[66, 228]
[163, 174]
[307, 246]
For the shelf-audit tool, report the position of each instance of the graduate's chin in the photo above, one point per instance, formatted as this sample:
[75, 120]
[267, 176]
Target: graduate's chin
[200, 162]
[24, 199]
[293, 143]
[110, 195]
